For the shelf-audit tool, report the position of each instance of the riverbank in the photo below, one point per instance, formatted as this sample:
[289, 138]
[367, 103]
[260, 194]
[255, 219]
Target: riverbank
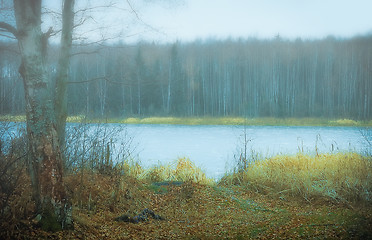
[240, 206]
[213, 121]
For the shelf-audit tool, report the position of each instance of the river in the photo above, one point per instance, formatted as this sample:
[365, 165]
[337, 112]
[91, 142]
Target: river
[214, 148]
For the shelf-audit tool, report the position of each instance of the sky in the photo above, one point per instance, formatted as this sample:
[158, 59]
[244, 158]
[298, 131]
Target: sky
[187, 20]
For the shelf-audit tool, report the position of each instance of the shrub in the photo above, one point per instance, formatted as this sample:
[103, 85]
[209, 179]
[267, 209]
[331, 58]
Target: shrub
[181, 170]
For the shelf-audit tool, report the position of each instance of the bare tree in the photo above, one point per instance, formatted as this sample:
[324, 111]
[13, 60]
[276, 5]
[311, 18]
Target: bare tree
[44, 153]
[46, 105]
[63, 69]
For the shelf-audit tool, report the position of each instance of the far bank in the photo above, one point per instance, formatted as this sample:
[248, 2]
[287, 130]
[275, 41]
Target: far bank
[264, 121]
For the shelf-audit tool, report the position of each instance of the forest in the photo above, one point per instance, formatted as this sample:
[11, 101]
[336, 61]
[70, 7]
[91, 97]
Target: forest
[327, 78]
[64, 182]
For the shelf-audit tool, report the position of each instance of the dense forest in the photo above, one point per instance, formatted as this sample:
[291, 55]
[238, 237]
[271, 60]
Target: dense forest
[329, 78]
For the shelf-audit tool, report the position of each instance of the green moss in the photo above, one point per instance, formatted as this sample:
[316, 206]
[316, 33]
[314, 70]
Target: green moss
[158, 189]
[49, 221]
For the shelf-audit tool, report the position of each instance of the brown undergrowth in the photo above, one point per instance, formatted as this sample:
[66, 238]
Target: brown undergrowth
[240, 206]
[192, 210]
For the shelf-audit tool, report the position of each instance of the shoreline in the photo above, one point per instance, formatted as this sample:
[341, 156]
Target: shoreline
[196, 121]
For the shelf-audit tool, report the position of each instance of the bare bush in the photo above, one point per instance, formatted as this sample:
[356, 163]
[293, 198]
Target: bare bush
[366, 133]
[13, 154]
[98, 147]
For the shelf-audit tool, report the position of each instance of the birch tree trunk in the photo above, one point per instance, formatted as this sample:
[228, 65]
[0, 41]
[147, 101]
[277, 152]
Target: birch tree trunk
[62, 71]
[44, 155]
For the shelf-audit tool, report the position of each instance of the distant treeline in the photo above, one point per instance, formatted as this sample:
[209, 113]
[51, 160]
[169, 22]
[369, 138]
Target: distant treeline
[329, 78]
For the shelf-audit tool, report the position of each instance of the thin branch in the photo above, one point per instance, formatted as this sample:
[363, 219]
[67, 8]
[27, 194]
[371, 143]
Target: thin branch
[93, 8]
[9, 28]
[85, 53]
[10, 163]
[49, 11]
[54, 33]
[134, 11]
[99, 42]
[82, 21]
[107, 79]
[140, 19]
[7, 36]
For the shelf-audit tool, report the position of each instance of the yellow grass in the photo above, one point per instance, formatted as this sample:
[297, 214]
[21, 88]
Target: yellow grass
[264, 121]
[77, 118]
[180, 170]
[341, 177]
[131, 120]
[131, 168]
[13, 118]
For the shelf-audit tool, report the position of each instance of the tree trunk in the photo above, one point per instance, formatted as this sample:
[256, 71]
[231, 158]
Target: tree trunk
[60, 104]
[44, 156]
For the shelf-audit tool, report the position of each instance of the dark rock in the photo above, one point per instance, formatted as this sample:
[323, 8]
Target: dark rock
[143, 216]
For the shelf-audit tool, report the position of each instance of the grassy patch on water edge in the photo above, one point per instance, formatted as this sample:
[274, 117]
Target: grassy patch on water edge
[246, 121]
[340, 177]
[180, 170]
[343, 177]
[266, 201]
[265, 121]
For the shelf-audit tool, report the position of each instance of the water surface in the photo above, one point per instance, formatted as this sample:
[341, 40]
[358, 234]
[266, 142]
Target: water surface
[216, 148]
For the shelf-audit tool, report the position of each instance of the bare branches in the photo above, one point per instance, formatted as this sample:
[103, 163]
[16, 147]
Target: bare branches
[85, 53]
[81, 22]
[133, 11]
[91, 43]
[7, 36]
[51, 12]
[366, 133]
[9, 28]
[141, 20]
[89, 9]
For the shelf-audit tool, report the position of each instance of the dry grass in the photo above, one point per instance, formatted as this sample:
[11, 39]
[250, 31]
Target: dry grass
[264, 121]
[340, 177]
[268, 121]
[200, 211]
[182, 170]
[194, 211]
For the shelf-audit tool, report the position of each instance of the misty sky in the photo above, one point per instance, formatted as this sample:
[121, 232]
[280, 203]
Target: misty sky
[188, 20]
[192, 19]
